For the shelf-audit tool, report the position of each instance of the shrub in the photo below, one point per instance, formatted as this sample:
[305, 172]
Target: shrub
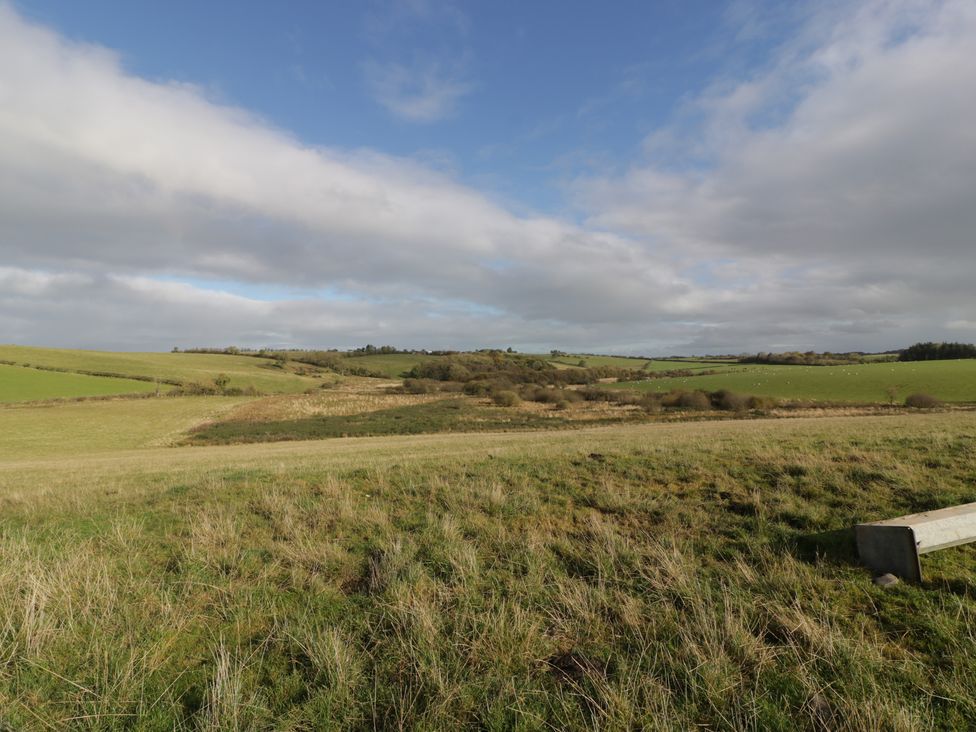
[650, 403]
[761, 402]
[696, 400]
[625, 398]
[476, 388]
[542, 394]
[506, 399]
[593, 394]
[729, 401]
[921, 401]
[420, 386]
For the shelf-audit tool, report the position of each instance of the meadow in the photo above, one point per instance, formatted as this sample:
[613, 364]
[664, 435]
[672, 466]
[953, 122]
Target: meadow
[952, 381]
[541, 566]
[658, 576]
[90, 427]
[18, 384]
[642, 364]
[244, 372]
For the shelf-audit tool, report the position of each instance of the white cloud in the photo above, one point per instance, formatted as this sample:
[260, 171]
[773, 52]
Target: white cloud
[422, 92]
[848, 165]
[834, 211]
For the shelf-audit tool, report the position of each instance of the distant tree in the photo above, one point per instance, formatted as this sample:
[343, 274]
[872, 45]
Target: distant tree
[930, 351]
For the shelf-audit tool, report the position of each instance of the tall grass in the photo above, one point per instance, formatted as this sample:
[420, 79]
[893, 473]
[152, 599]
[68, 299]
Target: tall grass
[647, 584]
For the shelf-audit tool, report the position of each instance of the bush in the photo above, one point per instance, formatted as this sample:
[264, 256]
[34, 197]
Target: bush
[420, 386]
[921, 401]
[650, 403]
[729, 401]
[506, 399]
[696, 400]
[761, 402]
[543, 394]
[476, 388]
[593, 394]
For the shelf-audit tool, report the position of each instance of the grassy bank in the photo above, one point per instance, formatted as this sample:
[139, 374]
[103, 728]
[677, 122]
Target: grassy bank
[666, 576]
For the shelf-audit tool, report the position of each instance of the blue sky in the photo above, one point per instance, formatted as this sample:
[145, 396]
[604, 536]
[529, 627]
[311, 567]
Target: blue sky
[652, 177]
[547, 89]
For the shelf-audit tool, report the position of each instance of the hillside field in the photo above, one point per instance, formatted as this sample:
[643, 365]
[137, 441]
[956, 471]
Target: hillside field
[19, 384]
[687, 575]
[952, 381]
[245, 372]
[640, 364]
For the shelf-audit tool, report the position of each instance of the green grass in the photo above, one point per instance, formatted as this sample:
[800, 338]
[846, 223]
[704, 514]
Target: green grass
[79, 428]
[446, 415]
[953, 381]
[643, 364]
[655, 577]
[19, 384]
[244, 371]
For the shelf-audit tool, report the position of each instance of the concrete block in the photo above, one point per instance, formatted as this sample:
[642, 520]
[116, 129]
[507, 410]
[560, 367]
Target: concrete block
[895, 545]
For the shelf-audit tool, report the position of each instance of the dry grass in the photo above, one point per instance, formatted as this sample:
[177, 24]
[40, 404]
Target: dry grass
[351, 396]
[668, 576]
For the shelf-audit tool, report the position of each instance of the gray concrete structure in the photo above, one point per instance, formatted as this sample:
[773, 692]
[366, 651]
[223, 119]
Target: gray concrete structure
[895, 545]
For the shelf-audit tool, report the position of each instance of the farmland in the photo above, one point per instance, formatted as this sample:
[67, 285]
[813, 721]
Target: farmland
[23, 384]
[89, 427]
[643, 364]
[260, 374]
[953, 381]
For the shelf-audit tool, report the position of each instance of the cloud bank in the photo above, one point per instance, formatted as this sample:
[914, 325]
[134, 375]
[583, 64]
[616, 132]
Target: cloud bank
[828, 204]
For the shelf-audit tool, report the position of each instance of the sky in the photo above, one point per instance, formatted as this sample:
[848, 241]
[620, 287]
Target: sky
[655, 177]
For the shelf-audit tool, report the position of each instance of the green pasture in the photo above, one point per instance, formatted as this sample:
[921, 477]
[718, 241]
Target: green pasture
[641, 364]
[673, 576]
[19, 384]
[952, 381]
[245, 372]
[77, 428]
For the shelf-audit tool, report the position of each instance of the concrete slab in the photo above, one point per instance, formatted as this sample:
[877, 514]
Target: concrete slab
[895, 545]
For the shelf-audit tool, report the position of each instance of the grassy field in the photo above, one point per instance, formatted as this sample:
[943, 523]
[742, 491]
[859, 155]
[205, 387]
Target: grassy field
[670, 576]
[81, 428]
[19, 384]
[202, 368]
[643, 364]
[953, 381]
